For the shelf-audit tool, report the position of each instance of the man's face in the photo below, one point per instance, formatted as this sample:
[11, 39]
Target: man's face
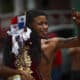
[40, 25]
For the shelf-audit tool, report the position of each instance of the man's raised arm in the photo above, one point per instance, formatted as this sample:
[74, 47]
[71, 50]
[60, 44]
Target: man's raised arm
[74, 41]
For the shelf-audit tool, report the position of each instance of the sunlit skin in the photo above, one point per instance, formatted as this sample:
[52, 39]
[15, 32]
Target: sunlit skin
[49, 46]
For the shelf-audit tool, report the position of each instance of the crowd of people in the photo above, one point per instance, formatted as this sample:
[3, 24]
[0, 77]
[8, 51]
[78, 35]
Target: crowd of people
[40, 48]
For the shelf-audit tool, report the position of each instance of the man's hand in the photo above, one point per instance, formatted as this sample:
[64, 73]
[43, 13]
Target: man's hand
[26, 76]
[76, 17]
[75, 13]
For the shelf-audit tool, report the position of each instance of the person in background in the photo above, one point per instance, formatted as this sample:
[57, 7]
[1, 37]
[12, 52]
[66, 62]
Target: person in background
[75, 63]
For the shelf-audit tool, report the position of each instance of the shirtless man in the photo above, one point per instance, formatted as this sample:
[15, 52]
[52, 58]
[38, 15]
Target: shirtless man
[42, 48]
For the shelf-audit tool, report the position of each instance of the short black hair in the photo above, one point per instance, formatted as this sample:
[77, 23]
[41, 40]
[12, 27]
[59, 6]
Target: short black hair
[31, 14]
